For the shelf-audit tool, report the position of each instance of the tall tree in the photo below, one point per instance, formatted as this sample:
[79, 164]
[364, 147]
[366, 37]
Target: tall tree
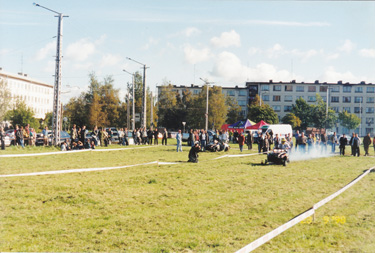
[234, 110]
[349, 120]
[292, 120]
[304, 112]
[319, 116]
[22, 115]
[264, 112]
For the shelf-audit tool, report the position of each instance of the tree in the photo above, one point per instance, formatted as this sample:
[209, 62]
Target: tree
[349, 120]
[320, 118]
[5, 98]
[167, 105]
[234, 110]
[264, 112]
[22, 115]
[304, 112]
[292, 120]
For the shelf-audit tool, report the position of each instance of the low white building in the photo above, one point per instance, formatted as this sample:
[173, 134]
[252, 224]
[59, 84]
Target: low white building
[37, 95]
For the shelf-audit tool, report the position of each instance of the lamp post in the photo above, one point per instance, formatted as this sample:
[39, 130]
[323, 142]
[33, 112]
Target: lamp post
[327, 104]
[144, 101]
[207, 83]
[56, 122]
[133, 106]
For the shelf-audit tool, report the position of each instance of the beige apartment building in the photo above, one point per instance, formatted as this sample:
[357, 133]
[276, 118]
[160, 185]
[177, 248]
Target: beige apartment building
[37, 95]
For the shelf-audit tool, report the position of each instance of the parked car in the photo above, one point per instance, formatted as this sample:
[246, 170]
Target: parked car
[115, 135]
[64, 136]
[10, 138]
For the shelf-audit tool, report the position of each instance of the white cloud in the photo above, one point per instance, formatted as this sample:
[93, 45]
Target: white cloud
[332, 56]
[101, 39]
[47, 50]
[80, 50]
[253, 51]
[194, 56]
[275, 51]
[331, 75]
[226, 39]
[347, 46]
[151, 42]
[229, 67]
[367, 52]
[191, 31]
[304, 55]
[110, 60]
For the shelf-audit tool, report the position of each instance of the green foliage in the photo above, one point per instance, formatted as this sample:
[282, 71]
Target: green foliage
[320, 118]
[264, 112]
[292, 120]
[234, 110]
[349, 120]
[304, 112]
[48, 120]
[5, 98]
[22, 115]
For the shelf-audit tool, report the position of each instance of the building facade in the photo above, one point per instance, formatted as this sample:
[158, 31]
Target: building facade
[37, 95]
[240, 94]
[357, 98]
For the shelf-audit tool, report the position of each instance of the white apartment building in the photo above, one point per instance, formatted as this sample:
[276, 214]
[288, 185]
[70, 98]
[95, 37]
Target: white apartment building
[37, 95]
[240, 94]
[357, 98]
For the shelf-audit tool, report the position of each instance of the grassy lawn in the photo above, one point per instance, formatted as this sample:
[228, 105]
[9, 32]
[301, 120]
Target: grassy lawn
[215, 205]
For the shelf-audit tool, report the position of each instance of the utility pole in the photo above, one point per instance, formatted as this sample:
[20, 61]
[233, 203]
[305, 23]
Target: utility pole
[56, 122]
[206, 115]
[133, 98]
[127, 112]
[151, 111]
[144, 97]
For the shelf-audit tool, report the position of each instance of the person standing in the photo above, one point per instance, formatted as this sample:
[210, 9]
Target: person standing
[260, 143]
[83, 135]
[323, 143]
[203, 138]
[302, 141]
[366, 143]
[179, 141]
[2, 138]
[249, 140]
[156, 136]
[241, 141]
[334, 142]
[45, 136]
[351, 144]
[342, 141]
[165, 137]
[356, 143]
[296, 136]
[125, 140]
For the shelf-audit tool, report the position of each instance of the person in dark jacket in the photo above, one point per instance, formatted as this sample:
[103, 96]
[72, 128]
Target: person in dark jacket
[2, 138]
[351, 144]
[342, 141]
[356, 143]
[249, 140]
[366, 143]
[193, 153]
[241, 141]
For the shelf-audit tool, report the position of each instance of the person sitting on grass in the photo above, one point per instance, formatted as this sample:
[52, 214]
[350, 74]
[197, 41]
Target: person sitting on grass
[80, 145]
[193, 153]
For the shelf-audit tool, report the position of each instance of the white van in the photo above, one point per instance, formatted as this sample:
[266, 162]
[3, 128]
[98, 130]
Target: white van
[281, 129]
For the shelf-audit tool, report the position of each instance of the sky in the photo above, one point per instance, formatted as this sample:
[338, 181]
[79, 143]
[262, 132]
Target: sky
[224, 42]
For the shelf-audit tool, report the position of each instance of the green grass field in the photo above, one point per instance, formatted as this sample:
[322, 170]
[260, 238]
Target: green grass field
[215, 205]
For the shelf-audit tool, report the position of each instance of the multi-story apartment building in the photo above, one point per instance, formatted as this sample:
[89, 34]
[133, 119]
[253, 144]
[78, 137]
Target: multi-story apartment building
[37, 95]
[357, 98]
[240, 94]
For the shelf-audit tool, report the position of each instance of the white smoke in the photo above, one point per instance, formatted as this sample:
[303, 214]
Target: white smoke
[312, 153]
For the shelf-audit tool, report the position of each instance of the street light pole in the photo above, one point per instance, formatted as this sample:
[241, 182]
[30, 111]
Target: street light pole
[57, 111]
[207, 83]
[144, 99]
[133, 98]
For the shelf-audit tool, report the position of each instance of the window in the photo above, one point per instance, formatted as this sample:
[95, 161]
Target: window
[276, 98]
[346, 109]
[287, 108]
[369, 130]
[298, 97]
[288, 88]
[276, 108]
[312, 88]
[336, 109]
[242, 102]
[311, 99]
[265, 87]
[243, 113]
[230, 93]
[323, 88]
[358, 89]
[196, 92]
[346, 99]
[335, 99]
[370, 90]
[357, 109]
[288, 98]
[335, 89]
[324, 98]
[370, 100]
[266, 97]
[347, 89]
[369, 120]
[242, 93]
[300, 89]
[369, 109]
[277, 88]
[358, 99]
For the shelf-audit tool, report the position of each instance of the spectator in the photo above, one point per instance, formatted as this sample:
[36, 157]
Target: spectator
[83, 135]
[241, 141]
[125, 138]
[74, 134]
[165, 137]
[297, 136]
[249, 140]
[203, 138]
[179, 141]
[342, 141]
[323, 143]
[2, 138]
[334, 142]
[156, 136]
[193, 153]
[351, 142]
[366, 143]
[45, 136]
[356, 144]
[302, 141]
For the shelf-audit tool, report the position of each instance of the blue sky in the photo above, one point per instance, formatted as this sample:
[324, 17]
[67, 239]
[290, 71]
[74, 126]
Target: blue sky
[226, 42]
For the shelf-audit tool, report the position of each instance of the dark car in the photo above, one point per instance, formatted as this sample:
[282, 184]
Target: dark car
[64, 136]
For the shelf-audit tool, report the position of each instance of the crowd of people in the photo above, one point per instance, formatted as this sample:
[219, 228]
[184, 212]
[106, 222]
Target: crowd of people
[23, 136]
